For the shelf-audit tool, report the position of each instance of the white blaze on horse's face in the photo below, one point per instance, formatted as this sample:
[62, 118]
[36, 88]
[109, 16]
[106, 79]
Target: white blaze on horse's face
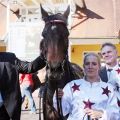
[53, 27]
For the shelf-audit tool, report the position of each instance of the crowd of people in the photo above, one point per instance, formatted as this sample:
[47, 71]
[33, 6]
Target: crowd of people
[90, 96]
[96, 96]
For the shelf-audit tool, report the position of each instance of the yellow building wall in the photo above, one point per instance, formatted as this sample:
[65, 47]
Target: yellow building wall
[77, 52]
[2, 48]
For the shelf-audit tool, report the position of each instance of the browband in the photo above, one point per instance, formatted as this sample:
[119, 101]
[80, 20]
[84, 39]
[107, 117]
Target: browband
[55, 21]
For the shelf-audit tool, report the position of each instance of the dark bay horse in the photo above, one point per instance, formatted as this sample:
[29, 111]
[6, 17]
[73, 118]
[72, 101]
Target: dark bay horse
[54, 47]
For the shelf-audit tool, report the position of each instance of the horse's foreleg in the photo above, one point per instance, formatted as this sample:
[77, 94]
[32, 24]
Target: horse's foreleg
[59, 105]
[41, 115]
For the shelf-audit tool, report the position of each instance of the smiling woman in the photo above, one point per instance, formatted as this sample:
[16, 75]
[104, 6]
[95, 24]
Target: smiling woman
[90, 98]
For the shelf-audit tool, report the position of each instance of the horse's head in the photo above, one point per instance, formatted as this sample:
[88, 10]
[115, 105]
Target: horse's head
[54, 45]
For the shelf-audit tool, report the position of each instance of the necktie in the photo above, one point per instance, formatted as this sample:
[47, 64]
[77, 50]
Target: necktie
[1, 100]
[109, 73]
[109, 70]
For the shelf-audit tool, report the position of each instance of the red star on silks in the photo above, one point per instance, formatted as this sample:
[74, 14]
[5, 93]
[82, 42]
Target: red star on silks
[118, 102]
[106, 91]
[118, 70]
[75, 87]
[88, 104]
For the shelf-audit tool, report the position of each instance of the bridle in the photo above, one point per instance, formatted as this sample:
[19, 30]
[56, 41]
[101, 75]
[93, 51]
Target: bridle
[52, 20]
[55, 21]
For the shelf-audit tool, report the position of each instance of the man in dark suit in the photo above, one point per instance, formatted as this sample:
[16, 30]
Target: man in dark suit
[111, 71]
[10, 96]
[109, 54]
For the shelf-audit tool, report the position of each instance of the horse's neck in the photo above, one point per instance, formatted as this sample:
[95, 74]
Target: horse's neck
[69, 72]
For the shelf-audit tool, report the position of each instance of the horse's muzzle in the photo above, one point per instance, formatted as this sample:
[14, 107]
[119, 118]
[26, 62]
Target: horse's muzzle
[55, 74]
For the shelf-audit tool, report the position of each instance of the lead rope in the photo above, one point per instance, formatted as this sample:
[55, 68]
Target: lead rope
[42, 101]
[59, 105]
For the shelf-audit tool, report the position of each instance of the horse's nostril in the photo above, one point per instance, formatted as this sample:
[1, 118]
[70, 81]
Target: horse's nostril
[55, 76]
[54, 65]
[52, 77]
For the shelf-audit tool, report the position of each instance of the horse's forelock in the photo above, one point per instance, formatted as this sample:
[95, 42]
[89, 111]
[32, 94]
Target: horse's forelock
[56, 23]
[58, 30]
[56, 38]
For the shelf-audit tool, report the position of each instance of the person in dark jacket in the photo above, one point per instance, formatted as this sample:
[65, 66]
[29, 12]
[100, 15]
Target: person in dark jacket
[111, 71]
[10, 95]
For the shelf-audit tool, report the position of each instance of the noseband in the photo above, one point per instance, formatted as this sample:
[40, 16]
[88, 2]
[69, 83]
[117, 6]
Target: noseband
[55, 71]
[60, 64]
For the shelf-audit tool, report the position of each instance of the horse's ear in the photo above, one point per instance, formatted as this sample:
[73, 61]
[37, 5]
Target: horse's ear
[66, 13]
[43, 12]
